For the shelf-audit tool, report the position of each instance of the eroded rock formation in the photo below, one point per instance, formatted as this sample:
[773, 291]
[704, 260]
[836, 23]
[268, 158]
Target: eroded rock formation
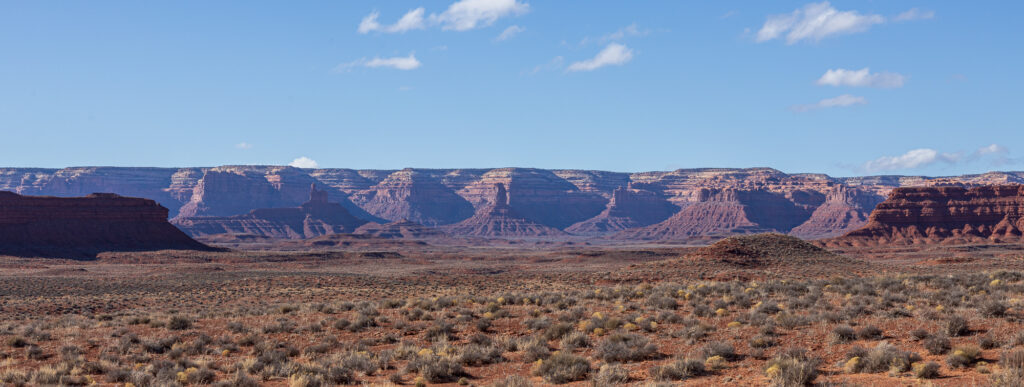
[628, 208]
[314, 218]
[948, 215]
[499, 219]
[723, 212]
[571, 200]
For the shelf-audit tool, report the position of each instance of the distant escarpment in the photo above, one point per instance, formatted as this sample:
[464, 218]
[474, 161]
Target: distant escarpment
[82, 227]
[844, 209]
[314, 218]
[723, 212]
[947, 215]
[681, 204]
[629, 208]
[499, 219]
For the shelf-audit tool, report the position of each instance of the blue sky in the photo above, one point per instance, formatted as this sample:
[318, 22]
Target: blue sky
[623, 86]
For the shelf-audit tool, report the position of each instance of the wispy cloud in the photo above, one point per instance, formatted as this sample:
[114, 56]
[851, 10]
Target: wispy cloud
[994, 154]
[469, 14]
[304, 162]
[914, 14]
[462, 15]
[399, 63]
[412, 20]
[243, 145]
[840, 101]
[554, 64]
[915, 158]
[815, 21]
[614, 54]
[861, 78]
[509, 32]
[622, 33]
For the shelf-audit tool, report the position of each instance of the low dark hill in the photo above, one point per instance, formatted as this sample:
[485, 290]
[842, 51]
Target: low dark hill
[82, 227]
[752, 256]
[764, 249]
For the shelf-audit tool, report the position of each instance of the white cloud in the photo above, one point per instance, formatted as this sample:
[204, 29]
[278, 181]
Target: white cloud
[509, 32]
[815, 21]
[914, 14]
[469, 14]
[613, 55]
[993, 154]
[304, 162]
[412, 20]
[624, 32]
[399, 62]
[993, 149]
[840, 101]
[861, 78]
[243, 145]
[554, 64]
[912, 159]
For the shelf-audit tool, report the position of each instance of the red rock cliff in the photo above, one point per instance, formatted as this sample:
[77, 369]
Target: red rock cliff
[84, 226]
[943, 215]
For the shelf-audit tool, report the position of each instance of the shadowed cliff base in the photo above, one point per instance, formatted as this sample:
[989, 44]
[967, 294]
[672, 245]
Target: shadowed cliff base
[83, 227]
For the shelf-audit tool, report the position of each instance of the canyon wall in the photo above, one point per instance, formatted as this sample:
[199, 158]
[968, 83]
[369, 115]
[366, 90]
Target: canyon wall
[671, 204]
[922, 215]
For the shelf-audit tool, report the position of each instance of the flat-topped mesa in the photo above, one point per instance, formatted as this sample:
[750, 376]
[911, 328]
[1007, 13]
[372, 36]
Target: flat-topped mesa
[82, 227]
[947, 215]
[314, 218]
[499, 219]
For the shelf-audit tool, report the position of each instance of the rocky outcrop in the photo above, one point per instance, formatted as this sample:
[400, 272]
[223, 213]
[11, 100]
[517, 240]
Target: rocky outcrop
[228, 191]
[314, 218]
[948, 215]
[560, 199]
[628, 208]
[85, 226]
[844, 209]
[499, 219]
[416, 196]
[536, 194]
[723, 212]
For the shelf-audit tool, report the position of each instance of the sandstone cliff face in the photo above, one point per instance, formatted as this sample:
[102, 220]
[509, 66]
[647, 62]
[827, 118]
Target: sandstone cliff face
[628, 208]
[314, 218]
[417, 196]
[560, 199]
[844, 209]
[943, 215]
[499, 219]
[84, 226]
[721, 212]
[538, 195]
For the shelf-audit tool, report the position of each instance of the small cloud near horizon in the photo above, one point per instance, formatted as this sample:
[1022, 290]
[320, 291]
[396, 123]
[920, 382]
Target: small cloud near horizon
[995, 154]
[243, 145]
[304, 162]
